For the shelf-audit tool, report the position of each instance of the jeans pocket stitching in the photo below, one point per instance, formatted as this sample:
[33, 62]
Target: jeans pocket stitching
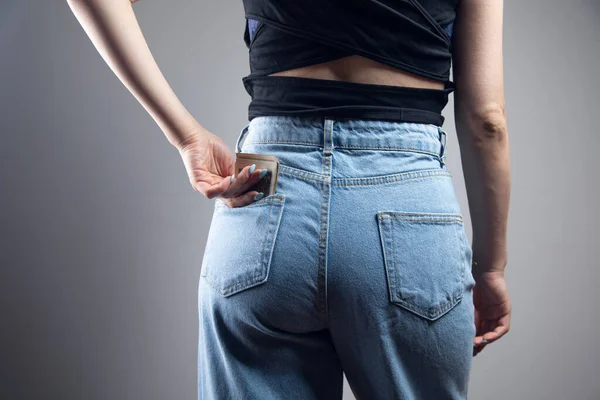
[252, 275]
[265, 201]
[392, 268]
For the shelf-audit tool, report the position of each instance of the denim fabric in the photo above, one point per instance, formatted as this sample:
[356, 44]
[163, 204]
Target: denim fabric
[359, 263]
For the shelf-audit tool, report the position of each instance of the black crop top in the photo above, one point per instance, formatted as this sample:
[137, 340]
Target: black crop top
[412, 35]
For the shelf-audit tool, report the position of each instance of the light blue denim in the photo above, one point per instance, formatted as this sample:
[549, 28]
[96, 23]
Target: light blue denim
[359, 263]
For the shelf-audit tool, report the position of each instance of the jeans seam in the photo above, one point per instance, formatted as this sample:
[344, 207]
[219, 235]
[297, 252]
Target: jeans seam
[413, 149]
[324, 220]
[454, 221]
[377, 180]
[282, 141]
[381, 180]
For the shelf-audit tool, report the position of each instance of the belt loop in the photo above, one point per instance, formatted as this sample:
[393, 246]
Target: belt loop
[443, 144]
[238, 149]
[328, 136]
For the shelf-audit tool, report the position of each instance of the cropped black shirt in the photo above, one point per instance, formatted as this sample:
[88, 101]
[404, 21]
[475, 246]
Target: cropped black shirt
[412, 35]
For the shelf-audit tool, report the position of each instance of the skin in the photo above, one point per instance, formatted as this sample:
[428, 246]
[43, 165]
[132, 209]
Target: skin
[480, 116]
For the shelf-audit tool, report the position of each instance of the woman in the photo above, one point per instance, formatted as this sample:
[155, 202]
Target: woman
[359, 262]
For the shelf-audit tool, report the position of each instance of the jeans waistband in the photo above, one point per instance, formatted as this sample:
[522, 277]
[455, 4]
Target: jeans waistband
[346, 134]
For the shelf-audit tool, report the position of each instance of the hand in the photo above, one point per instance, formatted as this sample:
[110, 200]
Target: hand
[210, 164]
[492, 309]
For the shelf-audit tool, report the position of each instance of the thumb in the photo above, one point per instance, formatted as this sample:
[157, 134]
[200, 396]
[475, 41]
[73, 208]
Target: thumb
[215, 190]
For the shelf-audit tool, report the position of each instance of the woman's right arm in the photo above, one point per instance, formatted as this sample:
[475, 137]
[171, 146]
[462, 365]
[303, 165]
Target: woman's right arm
[113, 29]
[480, 115]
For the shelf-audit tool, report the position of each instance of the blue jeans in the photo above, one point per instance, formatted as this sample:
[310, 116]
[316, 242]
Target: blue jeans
[359, 263]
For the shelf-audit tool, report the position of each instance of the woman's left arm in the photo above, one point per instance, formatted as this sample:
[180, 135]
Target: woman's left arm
[113, 29]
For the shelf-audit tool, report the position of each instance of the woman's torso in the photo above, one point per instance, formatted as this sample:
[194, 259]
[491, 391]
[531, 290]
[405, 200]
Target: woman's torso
[360, 69]
[355, 59]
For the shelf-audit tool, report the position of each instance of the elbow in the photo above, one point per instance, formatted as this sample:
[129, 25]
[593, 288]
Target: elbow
[488, 125]
[89, 1]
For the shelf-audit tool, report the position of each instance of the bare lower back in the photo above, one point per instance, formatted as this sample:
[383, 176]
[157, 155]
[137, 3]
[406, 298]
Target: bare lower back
[359, 69]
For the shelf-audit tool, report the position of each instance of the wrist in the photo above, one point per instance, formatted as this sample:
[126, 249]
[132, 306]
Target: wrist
[480, 270]
[186, 141]
[192, 137]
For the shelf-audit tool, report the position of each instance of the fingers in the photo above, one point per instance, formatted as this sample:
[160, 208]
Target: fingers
[243, 181]
[212, 191]
[242, 200]
[479, 328]
[477, 349]
[496, 332]
[490, 332]
[234, 192]
[479, 343]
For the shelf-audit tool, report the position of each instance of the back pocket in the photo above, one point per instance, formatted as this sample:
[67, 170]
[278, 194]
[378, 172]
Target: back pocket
[240, 244]
[424, 260]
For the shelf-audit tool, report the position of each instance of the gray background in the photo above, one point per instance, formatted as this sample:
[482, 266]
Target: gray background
[102, 236]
